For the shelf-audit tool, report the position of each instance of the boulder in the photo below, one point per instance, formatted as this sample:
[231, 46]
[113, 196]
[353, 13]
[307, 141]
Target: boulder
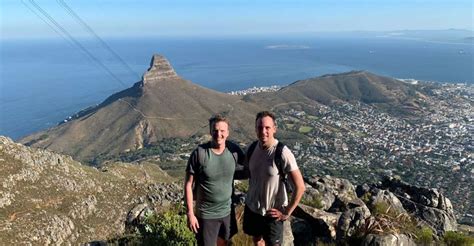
[387, 197]
[439, 220]
[320, 223]
[137, 214]
[341, 215]
[387, 240]
[342, 204]
[288, 239]
[331, 190]
[351, 222]
[362, 189]
[427, 205]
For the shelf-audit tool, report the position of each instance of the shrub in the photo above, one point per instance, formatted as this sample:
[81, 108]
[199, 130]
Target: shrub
[168, 228]
[452, 238]
[424, 236]
[388, 221]
[381, 208]
[242, 185]
[366, 197]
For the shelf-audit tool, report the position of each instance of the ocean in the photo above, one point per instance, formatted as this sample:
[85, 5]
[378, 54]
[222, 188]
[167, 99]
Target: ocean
[45, 81]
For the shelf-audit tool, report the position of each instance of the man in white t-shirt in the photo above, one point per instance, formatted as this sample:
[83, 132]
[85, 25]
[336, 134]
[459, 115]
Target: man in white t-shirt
[267, 204]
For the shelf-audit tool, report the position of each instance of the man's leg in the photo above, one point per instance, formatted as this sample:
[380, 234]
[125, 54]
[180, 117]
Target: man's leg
[208, 231]
[258, 241]
[221, 242]
[224, 231]
[274, 232]
[254, 225]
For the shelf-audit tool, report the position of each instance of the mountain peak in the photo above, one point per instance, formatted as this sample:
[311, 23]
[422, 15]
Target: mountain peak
[159, 69]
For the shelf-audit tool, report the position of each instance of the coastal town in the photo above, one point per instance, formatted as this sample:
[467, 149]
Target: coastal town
[362, 143]
[255, 89]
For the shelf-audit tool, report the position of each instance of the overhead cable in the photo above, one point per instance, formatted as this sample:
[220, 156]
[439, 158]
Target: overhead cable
[77, 43]
[93, 33]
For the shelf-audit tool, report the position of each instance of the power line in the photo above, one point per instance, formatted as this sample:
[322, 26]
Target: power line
[93, 33]
[77, 43]
[45, 21]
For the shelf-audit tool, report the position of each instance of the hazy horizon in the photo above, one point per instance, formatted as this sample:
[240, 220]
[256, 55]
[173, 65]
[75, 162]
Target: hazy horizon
[107, 45]
[34, 19]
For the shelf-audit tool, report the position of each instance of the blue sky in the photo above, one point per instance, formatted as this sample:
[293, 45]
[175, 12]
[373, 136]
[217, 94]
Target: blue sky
[233, 17]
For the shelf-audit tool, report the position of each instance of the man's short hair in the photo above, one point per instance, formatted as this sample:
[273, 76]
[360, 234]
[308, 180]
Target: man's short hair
[265, 114]
[217, 118]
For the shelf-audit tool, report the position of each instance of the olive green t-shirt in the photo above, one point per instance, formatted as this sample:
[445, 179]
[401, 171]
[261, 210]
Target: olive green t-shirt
[214, 180]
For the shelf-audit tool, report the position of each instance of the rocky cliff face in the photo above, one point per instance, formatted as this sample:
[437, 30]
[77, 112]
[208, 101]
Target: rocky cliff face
[48, 198]
[386, 213]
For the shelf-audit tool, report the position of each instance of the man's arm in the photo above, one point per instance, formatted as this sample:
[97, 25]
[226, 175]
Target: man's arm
[189, 181]
[188, 195]
[296, 196]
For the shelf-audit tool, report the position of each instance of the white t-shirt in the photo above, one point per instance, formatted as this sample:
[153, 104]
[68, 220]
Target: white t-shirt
[266, 190]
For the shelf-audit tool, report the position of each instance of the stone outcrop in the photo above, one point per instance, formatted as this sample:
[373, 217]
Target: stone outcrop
[350, 222]
[50, 199]
[288, 239]
[315, 223]
[387, 240]
[160, 69]
[344, 215]
[47, 198]
[375, 196]
[340, 216]
[427, 205]
[336, 194]
[137, 215]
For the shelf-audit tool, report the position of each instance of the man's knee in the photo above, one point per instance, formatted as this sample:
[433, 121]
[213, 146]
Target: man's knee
[258, 241]
[221, 241]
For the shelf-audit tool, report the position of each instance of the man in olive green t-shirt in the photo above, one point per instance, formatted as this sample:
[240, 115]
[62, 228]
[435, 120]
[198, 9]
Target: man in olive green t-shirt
[213, 181]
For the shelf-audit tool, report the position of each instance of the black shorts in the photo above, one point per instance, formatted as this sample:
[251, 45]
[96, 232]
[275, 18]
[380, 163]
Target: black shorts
[210, 229]
[270, 229]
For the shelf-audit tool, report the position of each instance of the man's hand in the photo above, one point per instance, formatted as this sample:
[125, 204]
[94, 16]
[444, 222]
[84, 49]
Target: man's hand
[277, 214]
[193, 223]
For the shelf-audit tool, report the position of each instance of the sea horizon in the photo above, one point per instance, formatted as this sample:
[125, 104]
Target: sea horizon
[44, 81]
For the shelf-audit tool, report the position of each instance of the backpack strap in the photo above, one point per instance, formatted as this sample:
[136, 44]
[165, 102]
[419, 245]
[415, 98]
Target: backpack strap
[232, 147]
[202, 155]
[251, 149]
[279, 160]
[280, 163]
[202, 159]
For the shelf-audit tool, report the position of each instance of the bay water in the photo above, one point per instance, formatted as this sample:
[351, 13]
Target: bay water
[42, 82]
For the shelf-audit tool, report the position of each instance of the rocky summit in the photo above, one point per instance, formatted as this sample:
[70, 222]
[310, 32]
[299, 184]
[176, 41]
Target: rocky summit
[160, 69]
[161, 106]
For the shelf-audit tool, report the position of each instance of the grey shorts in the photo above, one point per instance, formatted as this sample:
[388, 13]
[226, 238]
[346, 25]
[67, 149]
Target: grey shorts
[210, 229]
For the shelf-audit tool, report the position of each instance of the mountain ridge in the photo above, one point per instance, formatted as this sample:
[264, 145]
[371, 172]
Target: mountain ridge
[163, 105]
